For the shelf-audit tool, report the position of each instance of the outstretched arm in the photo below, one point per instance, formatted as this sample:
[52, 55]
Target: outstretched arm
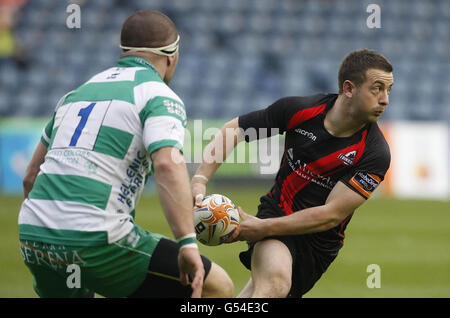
[214, 155]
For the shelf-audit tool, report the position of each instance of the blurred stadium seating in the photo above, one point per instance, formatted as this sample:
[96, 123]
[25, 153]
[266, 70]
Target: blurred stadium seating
[239, 55]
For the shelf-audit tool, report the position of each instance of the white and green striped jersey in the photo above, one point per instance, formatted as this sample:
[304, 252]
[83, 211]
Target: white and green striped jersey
[99, 141]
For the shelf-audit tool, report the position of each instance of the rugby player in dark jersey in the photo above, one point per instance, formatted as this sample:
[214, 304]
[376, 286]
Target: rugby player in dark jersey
[334, 157]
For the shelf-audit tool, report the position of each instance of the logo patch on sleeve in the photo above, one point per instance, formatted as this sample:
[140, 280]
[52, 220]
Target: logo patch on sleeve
[365, 183]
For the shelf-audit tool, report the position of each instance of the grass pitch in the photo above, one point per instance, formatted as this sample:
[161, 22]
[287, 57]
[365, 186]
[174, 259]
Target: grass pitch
[408, 239]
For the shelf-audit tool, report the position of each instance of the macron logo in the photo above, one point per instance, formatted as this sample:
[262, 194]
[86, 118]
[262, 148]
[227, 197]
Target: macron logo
[305, 133]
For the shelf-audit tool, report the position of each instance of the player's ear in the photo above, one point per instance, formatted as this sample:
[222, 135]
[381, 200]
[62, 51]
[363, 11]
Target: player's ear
[347, 88]
[171, 60]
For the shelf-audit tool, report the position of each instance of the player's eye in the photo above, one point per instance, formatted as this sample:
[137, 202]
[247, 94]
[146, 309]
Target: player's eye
[389, 90]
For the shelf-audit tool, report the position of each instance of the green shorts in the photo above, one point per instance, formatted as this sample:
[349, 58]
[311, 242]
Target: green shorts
[142, 264]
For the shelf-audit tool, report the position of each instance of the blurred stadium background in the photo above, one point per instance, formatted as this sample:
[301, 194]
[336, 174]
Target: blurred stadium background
[238, 56]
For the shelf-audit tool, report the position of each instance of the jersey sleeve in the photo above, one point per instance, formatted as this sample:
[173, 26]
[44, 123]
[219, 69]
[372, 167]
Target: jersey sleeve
[369, 172]
[164, 123]
[280, 116]
[47, 131]
[272, 119]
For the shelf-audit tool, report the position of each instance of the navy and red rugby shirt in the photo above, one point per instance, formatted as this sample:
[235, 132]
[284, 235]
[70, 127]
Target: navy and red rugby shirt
[314, 160]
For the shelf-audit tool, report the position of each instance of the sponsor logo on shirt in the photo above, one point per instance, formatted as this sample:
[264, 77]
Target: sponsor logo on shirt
[365, 183]
[175, 108]
[135, 178]
[348, 158]
[305, 133]
[303, 171]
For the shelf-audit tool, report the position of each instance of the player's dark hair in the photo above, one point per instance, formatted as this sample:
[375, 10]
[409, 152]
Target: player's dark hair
[356, 63]
[148, 28]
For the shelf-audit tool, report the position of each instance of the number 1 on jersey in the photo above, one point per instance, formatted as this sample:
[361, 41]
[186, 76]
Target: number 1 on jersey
[84, 113]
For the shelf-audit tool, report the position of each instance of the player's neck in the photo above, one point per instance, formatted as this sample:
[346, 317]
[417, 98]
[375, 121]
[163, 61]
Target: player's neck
[158, 64]
[339, 120]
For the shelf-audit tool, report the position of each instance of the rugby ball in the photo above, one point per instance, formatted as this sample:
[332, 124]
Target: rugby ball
[215, 219]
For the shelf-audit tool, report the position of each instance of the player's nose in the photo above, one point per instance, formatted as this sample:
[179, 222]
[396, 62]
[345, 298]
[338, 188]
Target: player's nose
[384, 98]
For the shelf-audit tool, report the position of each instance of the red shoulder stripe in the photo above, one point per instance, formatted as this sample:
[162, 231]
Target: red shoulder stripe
[304, 115]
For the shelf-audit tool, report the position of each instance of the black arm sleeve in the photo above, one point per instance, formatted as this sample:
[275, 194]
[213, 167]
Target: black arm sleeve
[370, 171]
[273, 119]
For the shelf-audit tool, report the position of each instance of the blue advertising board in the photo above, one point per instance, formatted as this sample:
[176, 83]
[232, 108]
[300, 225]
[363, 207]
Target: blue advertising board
[18, 139]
